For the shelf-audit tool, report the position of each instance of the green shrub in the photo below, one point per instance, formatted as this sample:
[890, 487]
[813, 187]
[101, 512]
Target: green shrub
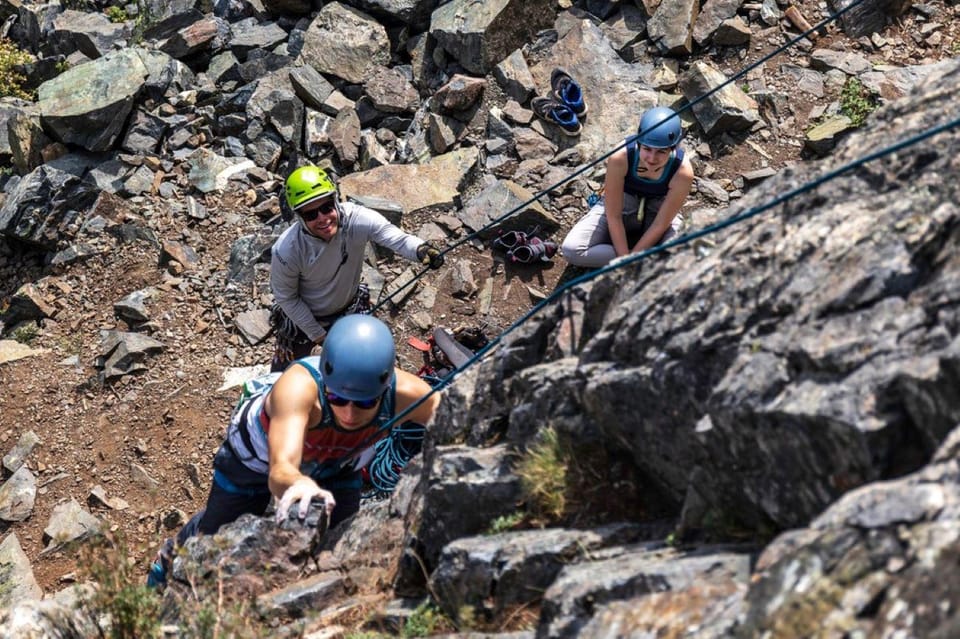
[26, 333]
[426, 620]
[142, 22]
[11, 80]
[504, 523]
[856, 101]
[117, 14]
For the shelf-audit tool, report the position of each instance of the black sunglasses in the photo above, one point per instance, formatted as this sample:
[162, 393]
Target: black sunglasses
[362, 404]
[326, 208]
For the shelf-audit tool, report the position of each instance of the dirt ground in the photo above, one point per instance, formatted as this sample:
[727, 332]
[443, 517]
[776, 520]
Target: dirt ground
[169, 420]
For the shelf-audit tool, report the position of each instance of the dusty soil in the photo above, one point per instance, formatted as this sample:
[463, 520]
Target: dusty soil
[169, 420]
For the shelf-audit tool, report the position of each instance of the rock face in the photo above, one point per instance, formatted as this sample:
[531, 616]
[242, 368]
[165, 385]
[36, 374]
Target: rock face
[89, 104]
[345, 42]
[797, 372]
[808, 358]
[479, 35]
[812, 351]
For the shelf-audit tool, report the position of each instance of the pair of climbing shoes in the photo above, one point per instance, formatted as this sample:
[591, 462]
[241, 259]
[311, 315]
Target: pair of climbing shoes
[525, 248]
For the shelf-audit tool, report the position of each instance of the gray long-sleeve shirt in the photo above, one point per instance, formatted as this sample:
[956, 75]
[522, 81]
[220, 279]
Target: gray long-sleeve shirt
[312, 278]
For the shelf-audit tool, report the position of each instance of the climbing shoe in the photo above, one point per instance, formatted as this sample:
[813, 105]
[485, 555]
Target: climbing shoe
[566, 90]
[525, 247]
[157, 574]
[558, 113]
[512, 239]
[534, 250]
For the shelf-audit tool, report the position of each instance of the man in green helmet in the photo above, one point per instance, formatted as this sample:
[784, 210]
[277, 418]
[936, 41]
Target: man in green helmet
[317, 264]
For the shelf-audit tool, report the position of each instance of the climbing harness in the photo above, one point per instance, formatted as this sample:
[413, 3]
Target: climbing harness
[290, 337]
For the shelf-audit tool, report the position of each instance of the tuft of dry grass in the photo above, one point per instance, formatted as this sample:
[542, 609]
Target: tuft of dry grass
[543, 475]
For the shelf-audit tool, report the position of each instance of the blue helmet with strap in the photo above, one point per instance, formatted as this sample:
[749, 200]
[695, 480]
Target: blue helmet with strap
[358, 357]
[659, 128]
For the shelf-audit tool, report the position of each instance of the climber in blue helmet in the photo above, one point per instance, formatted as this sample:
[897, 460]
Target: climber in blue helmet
[647, 183]
[309, 434]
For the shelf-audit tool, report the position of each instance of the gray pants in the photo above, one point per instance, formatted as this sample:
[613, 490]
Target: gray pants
[589, 244]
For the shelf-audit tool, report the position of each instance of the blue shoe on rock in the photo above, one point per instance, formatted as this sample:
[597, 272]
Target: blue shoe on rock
[566, 90]
[558, 113]
[157, 575]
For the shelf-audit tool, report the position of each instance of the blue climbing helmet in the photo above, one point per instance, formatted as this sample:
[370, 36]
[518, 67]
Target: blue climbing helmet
[663, 136]
[358, 357]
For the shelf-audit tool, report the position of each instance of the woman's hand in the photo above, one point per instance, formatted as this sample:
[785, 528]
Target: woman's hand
[303, 491]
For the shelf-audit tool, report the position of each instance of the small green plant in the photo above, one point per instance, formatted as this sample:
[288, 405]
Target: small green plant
[504, 523]
[543, 476]
[955, 47]
[142, 22]
[26, 333]
[117, 14]
[466, 618]
[856, 101]
[11, 80]
[426, 620]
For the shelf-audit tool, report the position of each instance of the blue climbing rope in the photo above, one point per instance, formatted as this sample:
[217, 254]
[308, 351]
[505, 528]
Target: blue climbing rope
[392, 455]
[587, 167]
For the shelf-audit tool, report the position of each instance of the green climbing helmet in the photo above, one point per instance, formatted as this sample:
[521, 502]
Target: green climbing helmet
[306, 184]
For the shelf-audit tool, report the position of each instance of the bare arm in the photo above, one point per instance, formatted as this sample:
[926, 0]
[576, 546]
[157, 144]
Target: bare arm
[679, 189]
[291, 405]
[410, 389]
[613, 200]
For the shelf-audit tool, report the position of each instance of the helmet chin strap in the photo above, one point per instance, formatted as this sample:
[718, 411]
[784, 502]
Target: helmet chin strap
[306, 228]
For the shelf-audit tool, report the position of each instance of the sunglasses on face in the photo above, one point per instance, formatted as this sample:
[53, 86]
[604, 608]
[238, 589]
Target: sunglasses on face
[325, 208]
[362, 404]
